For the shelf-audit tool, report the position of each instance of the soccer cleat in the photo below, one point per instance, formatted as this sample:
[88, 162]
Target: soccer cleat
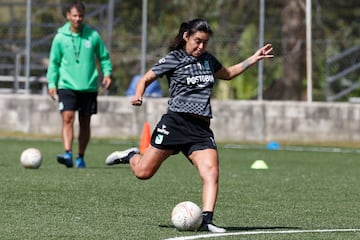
[80, 163]
[65, 159]
[210, 227]
[123, 157]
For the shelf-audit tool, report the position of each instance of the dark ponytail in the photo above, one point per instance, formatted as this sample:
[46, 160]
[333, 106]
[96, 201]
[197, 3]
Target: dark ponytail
[190, 28]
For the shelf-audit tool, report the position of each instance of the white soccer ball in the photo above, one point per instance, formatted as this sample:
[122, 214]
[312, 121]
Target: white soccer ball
[186, 216]
[31, 158]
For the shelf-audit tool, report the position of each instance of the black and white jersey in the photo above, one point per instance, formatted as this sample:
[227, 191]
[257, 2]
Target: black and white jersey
[191, 80]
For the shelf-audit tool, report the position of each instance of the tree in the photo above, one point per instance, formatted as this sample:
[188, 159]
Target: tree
[289, 87]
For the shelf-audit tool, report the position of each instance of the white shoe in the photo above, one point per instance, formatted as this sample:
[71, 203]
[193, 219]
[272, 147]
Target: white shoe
[119, 157]
[210, 227]
[215, 229]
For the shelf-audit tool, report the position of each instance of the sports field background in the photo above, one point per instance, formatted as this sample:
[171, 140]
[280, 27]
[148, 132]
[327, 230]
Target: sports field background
[305, 188]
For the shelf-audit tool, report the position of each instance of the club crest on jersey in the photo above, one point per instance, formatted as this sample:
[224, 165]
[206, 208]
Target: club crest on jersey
[207, 65]
[87, 44]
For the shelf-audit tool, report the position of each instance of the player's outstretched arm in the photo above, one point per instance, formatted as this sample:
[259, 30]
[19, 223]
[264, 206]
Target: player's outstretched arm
[228, 73]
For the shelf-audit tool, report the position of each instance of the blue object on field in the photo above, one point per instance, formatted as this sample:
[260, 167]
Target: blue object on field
[273, 145]
[153, 90]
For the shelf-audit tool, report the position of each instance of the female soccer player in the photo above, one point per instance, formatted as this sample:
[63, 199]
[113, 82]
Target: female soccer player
[191, 72]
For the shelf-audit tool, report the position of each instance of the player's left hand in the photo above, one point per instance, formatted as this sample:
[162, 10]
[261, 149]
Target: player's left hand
[264, 52]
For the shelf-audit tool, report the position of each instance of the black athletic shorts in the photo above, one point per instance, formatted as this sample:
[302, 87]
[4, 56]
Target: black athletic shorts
[183, 132]
[84, 102]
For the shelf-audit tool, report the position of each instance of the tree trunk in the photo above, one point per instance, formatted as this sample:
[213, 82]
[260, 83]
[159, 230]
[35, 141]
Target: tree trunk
[289, 87]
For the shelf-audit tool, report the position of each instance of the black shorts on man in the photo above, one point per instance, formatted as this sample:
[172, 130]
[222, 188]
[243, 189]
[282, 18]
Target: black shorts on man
[84, 102]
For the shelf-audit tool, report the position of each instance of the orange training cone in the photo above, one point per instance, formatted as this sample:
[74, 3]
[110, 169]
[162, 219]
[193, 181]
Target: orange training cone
[145, 138]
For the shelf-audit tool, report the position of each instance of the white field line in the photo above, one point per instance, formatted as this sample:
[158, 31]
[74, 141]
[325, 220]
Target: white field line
[212, 235]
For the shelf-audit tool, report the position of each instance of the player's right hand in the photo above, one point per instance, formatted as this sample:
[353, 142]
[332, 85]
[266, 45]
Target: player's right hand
[136, 101]
[52, 93]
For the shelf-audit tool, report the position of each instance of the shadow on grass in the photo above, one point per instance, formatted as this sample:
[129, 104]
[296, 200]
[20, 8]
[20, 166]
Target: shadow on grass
[111, 168]
[243, 228]
[259, 228]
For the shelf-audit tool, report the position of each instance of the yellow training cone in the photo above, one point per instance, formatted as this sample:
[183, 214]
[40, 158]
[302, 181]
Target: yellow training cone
[259, 164]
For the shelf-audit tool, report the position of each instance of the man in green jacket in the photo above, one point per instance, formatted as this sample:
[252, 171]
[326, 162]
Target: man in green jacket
[73, 76]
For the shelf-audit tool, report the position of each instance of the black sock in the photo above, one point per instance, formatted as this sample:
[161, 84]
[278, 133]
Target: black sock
[68, 151]
[207, 217]
[131, 154]
[81, 155]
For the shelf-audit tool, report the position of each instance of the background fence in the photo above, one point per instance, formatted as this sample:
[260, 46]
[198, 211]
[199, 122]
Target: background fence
[120, 23]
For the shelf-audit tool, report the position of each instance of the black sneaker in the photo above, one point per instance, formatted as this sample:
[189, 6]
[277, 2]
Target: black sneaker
[210, 227]
[119, 157]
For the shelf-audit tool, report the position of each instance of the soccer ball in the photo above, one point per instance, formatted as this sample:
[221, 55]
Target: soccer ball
[186, 216]
[31, 158]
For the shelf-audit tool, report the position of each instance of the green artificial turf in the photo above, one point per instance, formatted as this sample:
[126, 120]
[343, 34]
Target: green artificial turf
[302, 190]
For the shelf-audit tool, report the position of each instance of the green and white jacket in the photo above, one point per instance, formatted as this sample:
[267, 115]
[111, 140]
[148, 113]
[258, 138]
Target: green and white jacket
[72, 63]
